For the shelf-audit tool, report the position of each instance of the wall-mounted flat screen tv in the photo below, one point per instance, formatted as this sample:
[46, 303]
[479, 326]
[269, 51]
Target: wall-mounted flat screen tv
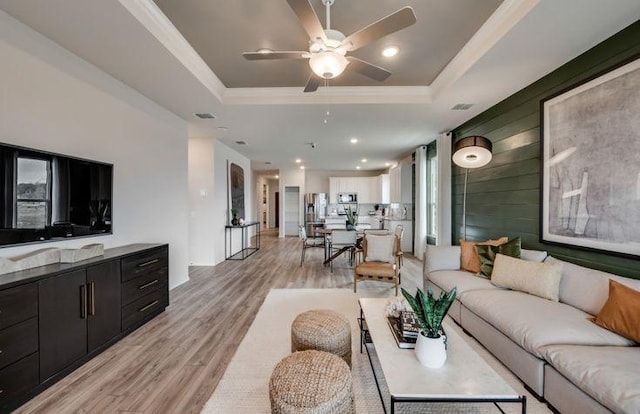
[48, 197]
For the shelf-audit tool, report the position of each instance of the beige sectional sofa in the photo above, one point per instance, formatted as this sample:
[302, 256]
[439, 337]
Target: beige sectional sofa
[553, 347]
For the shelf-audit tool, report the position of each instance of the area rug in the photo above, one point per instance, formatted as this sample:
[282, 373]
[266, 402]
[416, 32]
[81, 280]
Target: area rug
[244, 385]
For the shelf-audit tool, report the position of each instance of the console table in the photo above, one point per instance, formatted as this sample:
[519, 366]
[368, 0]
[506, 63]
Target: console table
[54, 318]
[246, 249]
[465, 377]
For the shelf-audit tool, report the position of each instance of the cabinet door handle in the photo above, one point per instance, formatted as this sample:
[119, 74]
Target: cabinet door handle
[146, 285]
[83, 305]
[92, 298]
[150, 262]
[144, 308]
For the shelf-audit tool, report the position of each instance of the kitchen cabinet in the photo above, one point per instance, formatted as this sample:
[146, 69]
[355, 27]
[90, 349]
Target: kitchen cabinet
[401, 184]
[79, 312]
[370, 190]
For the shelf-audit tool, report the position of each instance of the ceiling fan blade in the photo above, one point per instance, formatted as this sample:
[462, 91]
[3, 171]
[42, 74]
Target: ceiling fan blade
[367, 69]
[313, 83]
[387, 25]
[308, 17]
[275, 55]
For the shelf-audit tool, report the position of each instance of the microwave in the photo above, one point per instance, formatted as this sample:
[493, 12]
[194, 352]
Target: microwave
[347, 197]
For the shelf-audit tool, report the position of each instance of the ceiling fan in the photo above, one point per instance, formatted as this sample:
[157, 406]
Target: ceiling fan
[328, 47]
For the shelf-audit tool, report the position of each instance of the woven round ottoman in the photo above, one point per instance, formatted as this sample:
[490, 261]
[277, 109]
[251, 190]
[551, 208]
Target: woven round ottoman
[323, 330]
[311, 382]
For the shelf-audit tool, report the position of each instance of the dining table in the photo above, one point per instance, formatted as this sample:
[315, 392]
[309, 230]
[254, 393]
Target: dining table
[328, 257]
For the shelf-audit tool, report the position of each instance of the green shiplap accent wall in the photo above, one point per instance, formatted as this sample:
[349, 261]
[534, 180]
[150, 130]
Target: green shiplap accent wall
[503, 198]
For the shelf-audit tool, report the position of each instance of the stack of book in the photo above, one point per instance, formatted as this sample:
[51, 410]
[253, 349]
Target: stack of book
[405, 329]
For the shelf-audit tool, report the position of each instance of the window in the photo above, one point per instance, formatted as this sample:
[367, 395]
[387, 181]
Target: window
[33, 193]
[432, 193]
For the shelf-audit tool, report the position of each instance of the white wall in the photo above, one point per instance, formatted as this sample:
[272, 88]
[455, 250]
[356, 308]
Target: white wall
[52, 100]
[201, 201]
[273, 188]
[221, 155]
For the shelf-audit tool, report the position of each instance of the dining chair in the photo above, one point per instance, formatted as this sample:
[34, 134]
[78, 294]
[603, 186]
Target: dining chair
[399, 232]
[379, 260]
[343, 239]
[307, 242]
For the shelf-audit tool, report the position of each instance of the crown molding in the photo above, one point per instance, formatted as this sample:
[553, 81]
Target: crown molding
[506, 16]
[159, 25]
[333, 95]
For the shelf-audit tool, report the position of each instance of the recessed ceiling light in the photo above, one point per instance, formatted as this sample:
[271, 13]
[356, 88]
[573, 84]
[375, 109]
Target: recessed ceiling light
[390, 51]
[354, 140]
[265, 50]
[357, 167]
[302, 167]
[277, 176]
[298, 160]
[386, 164]
[364, 160]
[223, 128]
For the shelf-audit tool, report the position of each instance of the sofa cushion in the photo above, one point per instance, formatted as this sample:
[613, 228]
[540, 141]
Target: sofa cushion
[533, 322]
[608, 374]
[487, 254]
[621, 312]
[587, 289]
[469, 259]
[533, 255]
[463, 281]
[540, 279]
[441, 258]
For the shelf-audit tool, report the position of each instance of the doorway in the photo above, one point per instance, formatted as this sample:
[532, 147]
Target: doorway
[291, 210]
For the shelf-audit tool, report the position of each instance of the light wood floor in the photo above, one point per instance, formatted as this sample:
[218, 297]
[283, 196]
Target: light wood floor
[173, 363]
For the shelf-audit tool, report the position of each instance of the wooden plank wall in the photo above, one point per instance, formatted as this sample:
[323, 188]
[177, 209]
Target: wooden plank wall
[503, 198]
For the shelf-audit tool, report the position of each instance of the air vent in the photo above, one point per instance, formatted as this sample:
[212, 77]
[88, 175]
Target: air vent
[205, 115]
[461, 107]
[241, 142]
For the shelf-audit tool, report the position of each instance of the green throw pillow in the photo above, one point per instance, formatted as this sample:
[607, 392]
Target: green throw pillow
[487, 254]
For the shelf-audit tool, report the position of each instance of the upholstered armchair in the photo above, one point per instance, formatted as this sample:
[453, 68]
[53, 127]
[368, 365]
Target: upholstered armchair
[379, 260]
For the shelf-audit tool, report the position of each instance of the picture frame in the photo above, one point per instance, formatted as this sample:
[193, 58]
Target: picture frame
[236, 181]
[590, 174]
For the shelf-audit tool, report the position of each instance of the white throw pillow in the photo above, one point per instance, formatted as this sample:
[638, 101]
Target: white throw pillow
[380, 248]
[540, 279]
[533, 255]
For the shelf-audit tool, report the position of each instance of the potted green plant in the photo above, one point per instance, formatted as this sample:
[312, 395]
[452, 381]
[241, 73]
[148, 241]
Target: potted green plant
[430, 346]
[352, 218]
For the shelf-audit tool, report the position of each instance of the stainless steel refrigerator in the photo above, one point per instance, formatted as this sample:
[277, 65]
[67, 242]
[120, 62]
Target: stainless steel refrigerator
[315, 205]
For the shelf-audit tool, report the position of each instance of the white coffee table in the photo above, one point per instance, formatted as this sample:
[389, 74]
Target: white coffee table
[464, 378]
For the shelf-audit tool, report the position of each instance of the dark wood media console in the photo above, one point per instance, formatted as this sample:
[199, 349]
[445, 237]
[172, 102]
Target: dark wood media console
[55, 318]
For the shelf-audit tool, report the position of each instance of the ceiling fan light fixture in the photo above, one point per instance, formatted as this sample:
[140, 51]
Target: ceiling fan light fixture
[390, 51]
[328, 64]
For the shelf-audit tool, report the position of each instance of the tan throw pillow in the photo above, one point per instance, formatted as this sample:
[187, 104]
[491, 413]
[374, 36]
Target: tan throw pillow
[621, 312]
[469, 259]
[539, 279]
[380, 248]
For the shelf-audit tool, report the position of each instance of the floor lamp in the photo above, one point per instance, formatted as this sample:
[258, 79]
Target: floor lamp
[470, 152]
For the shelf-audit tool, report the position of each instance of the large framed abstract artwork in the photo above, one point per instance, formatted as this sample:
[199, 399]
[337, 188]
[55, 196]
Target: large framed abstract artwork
[591, 163]
[236, 191]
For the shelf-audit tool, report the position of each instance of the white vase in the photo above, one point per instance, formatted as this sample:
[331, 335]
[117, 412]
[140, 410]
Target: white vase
[431, 352]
